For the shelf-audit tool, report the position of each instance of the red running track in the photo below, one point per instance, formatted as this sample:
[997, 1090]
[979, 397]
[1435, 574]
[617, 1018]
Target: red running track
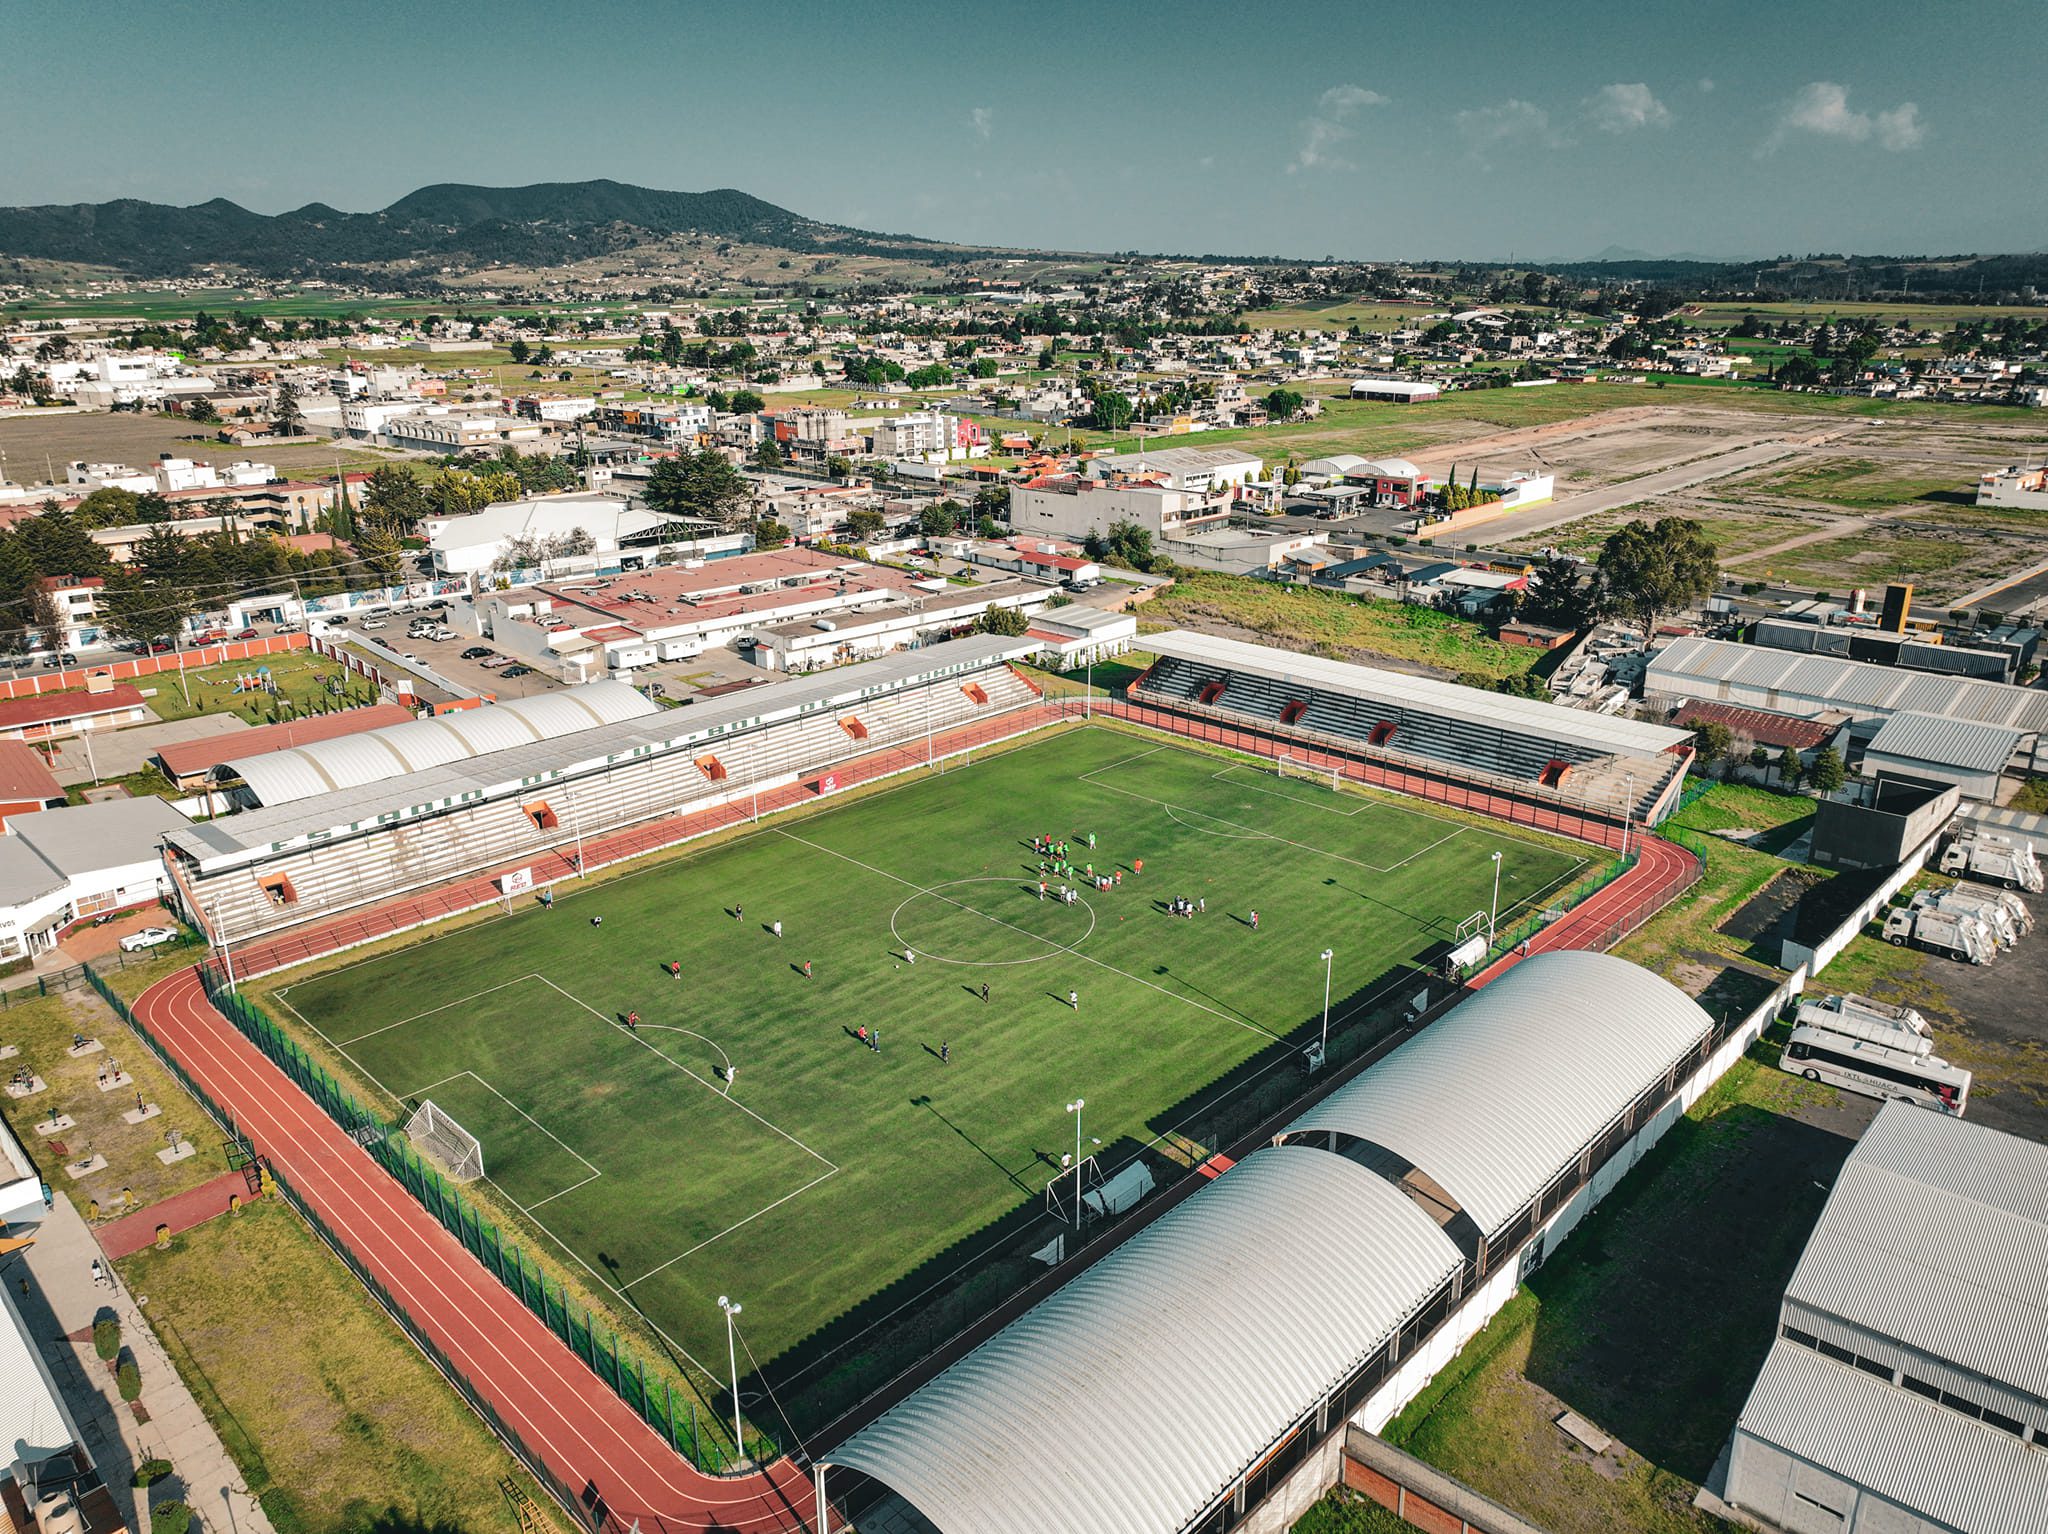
[548, 1396]
[180, 1212]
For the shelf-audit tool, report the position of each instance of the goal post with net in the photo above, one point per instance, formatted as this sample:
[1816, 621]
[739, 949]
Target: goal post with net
[1295, 767]
[458, 1153]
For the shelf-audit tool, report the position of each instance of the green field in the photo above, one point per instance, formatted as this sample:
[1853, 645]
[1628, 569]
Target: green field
[1862, 483]
[830, 1173]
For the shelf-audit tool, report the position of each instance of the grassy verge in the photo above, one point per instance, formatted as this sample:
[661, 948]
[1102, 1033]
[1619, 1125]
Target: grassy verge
[1722, 1206]
[1860, 483]
[1340, 627]
[1342, 1513]
[42, 1028]
[335, 1421]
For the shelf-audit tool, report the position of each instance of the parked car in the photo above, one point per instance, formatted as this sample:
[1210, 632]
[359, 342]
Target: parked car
[161, 647]
[511, 671]
[370, 625]
[476, 652]
[246, 634]
[148, 937]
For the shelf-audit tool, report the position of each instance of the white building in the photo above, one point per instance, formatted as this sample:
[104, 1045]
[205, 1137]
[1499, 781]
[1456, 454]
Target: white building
[440, 429]
[61, 866]
[1075, 635]
[925, 436]
[1397, 391]
[2021, 488]
[1906, 1389]
[1068, 506]
[587, 532]
[1199, 469]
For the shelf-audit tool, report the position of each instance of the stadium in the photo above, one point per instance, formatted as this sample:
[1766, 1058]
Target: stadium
[888, 999]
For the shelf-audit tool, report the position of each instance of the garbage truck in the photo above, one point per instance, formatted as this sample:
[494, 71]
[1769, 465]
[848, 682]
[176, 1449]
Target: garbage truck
[1946, 932]
[2001, 910]
[1992, 857]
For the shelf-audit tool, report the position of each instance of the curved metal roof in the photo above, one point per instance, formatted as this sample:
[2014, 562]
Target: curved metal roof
[353, 761]
[1137, 1393]
[1495, 1098]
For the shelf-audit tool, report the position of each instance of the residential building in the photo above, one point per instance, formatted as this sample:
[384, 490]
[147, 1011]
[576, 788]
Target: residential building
[61, 866]
[816, 430]
[26, 785]
[1394, 391]
[927, 436]
[440, 429]
[2023, 488]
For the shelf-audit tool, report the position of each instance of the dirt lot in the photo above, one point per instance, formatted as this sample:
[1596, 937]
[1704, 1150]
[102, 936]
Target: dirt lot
[31, 443]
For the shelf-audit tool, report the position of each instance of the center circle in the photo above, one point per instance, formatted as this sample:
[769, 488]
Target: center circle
[986, 928]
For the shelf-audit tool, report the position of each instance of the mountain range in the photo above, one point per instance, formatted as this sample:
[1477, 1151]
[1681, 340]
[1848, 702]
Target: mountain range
[549, 224]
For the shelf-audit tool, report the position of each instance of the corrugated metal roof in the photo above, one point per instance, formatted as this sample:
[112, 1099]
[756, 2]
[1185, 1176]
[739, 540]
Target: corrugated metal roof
[1899, 1445]
[371, 756]
[1961, 743]
[1496, 1098]
[589, 749]
[33, 1422]
[1735, 673]
[1936, 1234]
[1602, 733]
[1135, 1395]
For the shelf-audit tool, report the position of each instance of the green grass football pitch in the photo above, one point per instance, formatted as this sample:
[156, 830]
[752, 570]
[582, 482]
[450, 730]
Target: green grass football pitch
[829, 1172]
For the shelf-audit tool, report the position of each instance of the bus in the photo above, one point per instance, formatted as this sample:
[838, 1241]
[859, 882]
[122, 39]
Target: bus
[1858, 1065]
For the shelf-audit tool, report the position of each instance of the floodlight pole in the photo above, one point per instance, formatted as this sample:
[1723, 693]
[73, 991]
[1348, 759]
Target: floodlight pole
[576, 825]
[1088, 700]
[226, 958]
[1329, 958]
[1628, 810]
[1493, 920]
[739, 1447]
[1079, 1104]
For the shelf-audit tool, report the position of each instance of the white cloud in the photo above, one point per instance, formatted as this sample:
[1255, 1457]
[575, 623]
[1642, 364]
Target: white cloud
[984, 122]
[1514, 122]
[1330, 127]
[1625, 108]
[1822, 109]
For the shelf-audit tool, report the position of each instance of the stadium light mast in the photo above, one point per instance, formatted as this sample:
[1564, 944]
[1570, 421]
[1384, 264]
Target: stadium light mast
[1628, 810]
[1329, 959]
[1075, 1108]
[1493, 920]
[739, 1443]
[226, 958]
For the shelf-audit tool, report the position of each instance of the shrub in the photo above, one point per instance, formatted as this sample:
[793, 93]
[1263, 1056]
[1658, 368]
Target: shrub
[106, 1337]
[129, 1378]
[150, 1470]
[170, 1518]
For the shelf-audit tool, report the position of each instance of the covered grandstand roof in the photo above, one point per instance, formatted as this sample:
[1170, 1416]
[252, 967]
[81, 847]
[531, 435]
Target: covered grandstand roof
[1189, 1351]
[1495, 1099]
[1603, 734]
[581, 748]
[371, 756]
[1800, 683]
[1186, 1353]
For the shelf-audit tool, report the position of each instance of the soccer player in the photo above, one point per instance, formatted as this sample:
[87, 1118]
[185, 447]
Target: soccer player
[1074, 1000]
[776, 928]
[945, 1054]
[984, 993]
[632, 1022]
[807, 969]
[597, 921]
[1137, 866]
[739, 911]
[861, 1033]
[1255, 921]
[675, 969]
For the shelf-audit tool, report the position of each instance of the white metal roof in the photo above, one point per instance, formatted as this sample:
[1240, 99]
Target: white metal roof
[33, 1422]
[1903, 1447]
[1601, 733]
[352, 761]
[1135, 1395]
[1961, 743]
[1936, 1234]
[83, 839]
[1714, 669]
[1495, 1099]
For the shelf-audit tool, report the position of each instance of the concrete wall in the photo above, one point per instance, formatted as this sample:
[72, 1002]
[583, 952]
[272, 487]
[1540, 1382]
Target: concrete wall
[1802, 1498]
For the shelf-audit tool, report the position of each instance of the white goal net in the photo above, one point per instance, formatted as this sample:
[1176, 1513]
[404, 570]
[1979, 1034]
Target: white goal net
[454, 1149]
[1294, 767]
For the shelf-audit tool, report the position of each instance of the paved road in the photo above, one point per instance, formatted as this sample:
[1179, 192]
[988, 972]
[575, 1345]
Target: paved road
[1572, 508]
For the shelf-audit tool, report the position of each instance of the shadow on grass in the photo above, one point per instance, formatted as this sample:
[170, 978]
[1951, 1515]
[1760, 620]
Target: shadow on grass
[1708, 1227]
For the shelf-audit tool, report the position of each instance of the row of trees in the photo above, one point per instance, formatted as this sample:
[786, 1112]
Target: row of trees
[1714, 743]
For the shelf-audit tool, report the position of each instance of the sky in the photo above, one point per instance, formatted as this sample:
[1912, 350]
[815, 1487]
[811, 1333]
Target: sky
[1360, 130]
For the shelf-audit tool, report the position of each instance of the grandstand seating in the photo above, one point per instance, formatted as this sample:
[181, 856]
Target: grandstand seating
[335, 875]
[1384, 727]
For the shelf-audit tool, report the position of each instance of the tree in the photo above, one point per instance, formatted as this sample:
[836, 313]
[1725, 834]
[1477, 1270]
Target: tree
[1283, 404]
[1112, 411]
[700, 485]
[108, 506]
[1009, 622]
[863, 525]
[1048, 359]
[929, 376]
[1827, 773]
[45, 618]
[290, 421]
[770, 534]
[1790, 768]
[839, 466]
[768, 455]
[938, 519]
[1558, 596]
[395, 500]
[1647, 569]
[1126, 544]
[1711, 742]
[201, 409]
[379, 551]
[745, 402]
[986, 527]
[519, 350]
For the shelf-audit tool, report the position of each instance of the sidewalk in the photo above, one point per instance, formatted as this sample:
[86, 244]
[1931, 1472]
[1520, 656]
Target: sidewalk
[60, 1308]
